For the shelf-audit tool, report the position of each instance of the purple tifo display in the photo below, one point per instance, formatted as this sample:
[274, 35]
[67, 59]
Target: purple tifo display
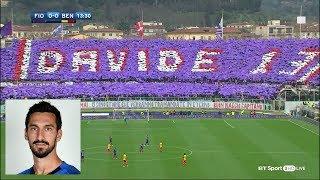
[273, 61]
[96, 90]
[99, 68]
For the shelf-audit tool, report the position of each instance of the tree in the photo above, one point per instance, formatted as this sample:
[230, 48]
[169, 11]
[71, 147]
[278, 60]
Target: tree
[207, 20]
[133, 15]
[124, 26]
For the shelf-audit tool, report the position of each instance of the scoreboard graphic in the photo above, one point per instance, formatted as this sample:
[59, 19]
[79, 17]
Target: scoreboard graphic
[59, 17]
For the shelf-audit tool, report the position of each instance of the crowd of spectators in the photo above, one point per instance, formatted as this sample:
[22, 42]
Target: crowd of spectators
[238, 68]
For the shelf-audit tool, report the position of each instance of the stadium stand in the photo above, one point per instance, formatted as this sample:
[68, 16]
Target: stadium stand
[99, 68]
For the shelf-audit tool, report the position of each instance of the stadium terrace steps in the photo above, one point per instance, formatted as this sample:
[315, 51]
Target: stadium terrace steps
[137, 89]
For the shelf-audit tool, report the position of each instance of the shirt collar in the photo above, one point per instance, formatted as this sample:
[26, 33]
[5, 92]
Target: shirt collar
[52, 172]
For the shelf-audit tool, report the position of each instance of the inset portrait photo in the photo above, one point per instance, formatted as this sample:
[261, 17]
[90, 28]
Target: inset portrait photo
[42, 137]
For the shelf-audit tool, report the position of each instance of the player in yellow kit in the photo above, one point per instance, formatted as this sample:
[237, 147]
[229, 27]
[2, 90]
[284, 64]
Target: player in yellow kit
[184, 159]
[160, 146]
[125, 160]
[109, 147]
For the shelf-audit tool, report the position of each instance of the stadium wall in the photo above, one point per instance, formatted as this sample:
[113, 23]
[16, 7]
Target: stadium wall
[293, 105]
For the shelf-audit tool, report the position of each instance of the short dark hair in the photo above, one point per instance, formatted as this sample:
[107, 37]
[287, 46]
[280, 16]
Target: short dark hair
[44, 106]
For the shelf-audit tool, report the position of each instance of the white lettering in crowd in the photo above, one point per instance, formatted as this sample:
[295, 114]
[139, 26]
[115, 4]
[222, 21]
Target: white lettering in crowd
[172, 104]
[238, 105]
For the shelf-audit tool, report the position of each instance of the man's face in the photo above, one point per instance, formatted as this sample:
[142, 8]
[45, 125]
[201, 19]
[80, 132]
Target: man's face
[42, 133]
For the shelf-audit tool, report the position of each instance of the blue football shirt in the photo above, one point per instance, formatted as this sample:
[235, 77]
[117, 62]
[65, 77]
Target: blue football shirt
[64, 168]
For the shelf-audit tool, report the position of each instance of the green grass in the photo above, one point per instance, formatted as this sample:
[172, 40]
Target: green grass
[215, 149]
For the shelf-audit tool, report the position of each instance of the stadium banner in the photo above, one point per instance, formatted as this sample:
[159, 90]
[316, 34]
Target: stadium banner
[146, 104]
[238, 105]
[172, 104]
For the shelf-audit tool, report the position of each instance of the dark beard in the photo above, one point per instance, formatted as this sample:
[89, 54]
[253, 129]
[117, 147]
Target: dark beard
[41, 153]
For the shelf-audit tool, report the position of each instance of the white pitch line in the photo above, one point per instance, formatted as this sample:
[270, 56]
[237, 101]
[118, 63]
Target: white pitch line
[277, 152]
[304, 127]
[254, 152]
[228, 123]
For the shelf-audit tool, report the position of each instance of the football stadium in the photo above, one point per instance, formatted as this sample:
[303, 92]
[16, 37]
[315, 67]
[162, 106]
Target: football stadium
[245, 108]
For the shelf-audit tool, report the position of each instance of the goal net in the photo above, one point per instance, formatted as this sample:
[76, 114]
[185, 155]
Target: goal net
[131, 114]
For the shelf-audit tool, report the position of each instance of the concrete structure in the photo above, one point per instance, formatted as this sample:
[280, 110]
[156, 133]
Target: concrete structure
[104, 33]
[307, 31]
[78, 36]
[72, 30]
[203, 33]
[2, 42]
[152, 29]
[274, 30]
[231, 32]
[94, 26]
[241, 25]
[246, 29]
[192, 33]
[32, 32]
[5, 42]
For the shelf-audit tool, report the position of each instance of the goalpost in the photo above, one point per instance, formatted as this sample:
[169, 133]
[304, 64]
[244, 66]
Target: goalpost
[131, 114]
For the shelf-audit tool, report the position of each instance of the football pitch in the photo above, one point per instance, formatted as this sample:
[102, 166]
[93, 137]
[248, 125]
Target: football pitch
[224, 148]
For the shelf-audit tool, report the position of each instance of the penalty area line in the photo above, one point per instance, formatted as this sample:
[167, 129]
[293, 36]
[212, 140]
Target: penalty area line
[304, 128]
[228, 123]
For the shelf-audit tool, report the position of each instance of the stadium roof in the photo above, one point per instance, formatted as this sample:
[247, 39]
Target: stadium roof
[33, 28]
